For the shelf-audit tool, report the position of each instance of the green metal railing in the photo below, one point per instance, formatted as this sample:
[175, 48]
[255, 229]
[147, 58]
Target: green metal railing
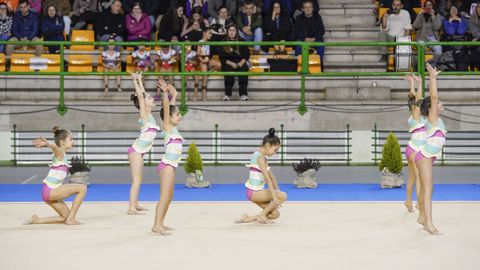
[304, 73]
[216, 146]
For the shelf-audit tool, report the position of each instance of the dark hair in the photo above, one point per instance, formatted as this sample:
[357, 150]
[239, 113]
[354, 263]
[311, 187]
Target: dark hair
[23, 2]
[280, 4]
[60, 135]
[134, 98]
[173, 108]
[248, 2]
[307, 1]
[136, 4]
[222, 7]
[450, 10]
[411, 101]
[271, 138]
[196, 10]
[424, 105]
[49, 6]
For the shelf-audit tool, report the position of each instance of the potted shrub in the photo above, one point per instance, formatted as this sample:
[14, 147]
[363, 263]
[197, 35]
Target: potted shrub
[194, 167]
[391, 164]
[306, 170]
[79, 171]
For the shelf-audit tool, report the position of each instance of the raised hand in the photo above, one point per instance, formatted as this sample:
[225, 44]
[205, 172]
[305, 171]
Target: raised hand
[409, 78]
[417, 78]
[433, 71]
[40, 142]
[162, 85]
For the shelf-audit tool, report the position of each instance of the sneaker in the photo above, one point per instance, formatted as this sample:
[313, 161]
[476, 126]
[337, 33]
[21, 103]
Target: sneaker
[383, 58]
[226, 98]
[244, 98]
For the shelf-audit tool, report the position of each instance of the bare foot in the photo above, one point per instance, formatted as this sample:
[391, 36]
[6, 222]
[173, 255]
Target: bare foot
[243, 219]
[160, 231]
[139, 208]
[262, 219]
[417, 206]
[432, 230]
[421, 221]
[30, 220]
[166, 228]
[134, 213]
[409, 206]
[73, 222]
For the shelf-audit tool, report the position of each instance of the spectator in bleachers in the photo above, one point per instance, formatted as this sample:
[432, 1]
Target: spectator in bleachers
[193, 27]
[142, 59]
[191, 4]
[468, 7]
[474, 24]
[104, 5]
[298, 6]
[455, 26]
[257, 3]
[84, 13]
[250, 23]
[172, 24]
[309, 27]
[64, 9]
[214, 6]
[205, 61]
[219, 24]
[428, 25]
[111, 24]
[288, 7]
[138, 24]
[395, 23]
[235, 58]
[5, 24]
[25, 27]
[112, 63]
[52, 28]
[36, 5]
[278, 27]
[165, 59]
[150, 7]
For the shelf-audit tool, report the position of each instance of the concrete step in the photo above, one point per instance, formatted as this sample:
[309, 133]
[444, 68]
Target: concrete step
[347, 34]
[346, 11]
[355, 67]
[336, 21]
[352, 58]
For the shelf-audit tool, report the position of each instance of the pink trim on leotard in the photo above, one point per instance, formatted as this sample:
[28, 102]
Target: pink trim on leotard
[420, 156]
[132, 150]
[409, 151]
[46, 192]
[162, 166]
[250, 193]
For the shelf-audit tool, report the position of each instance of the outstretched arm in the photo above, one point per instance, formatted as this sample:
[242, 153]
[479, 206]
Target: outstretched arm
[42, 142]
[433, 115]
[274, 180]
[137, 83]
[165, 105]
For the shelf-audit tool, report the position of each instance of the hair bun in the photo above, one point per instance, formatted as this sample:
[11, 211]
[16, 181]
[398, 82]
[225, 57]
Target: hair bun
[411, 95]
[55, 129]
[133, 96]
[271, 132]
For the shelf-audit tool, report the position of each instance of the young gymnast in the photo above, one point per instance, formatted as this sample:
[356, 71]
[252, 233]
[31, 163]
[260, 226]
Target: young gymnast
[173, 153]
[53, 189]
[436, 133]
[268, 199]
[166, 58]
[148, 130]
[417, 129]
[191, 66]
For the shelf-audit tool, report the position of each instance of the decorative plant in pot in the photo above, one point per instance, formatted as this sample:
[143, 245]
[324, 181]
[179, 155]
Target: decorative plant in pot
[79, 171]
[194, 167]
[391, 164]
[306, 170]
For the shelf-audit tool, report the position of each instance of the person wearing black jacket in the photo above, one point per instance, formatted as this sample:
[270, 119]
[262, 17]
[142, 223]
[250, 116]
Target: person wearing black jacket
[234, 58]
[277, 26]
[111, 24]
[172, 24]
[309, 27]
